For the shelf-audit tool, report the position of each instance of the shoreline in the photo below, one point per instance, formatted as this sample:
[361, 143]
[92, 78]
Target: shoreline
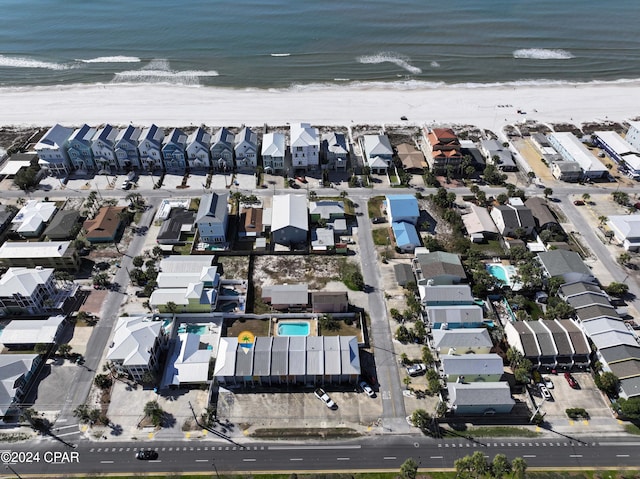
[345, 105]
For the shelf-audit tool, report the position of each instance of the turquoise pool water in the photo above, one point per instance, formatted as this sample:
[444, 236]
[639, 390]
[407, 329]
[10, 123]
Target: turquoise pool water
[294, 329]
[198, 329]
[498, 271]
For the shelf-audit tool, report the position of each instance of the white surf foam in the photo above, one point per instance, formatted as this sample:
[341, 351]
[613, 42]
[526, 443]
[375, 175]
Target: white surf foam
[542, 54]
[159, 71]
[20, 62]
[281, 54]
[114, 59]
[390, 57]
[434, 64]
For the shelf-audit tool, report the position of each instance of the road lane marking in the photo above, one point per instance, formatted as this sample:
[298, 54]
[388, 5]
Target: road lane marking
[284, 448]
[528, 455]
[106, 462]
[249, 460]
[436, 457]
[389, 458]
[622, 455]
[343, 458]
[296, 459]
[575, 455]
[202, 460]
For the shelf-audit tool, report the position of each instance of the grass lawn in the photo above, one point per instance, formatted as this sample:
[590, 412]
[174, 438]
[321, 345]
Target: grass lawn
[632, 429]
[183, 249]
[381, 236]
[258, 327]
[494, 431]
[194, 204]
[375, 206]
[533, 309]
[489, 249]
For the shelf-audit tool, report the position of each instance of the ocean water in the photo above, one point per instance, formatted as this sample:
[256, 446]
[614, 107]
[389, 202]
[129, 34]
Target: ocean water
[277, 44]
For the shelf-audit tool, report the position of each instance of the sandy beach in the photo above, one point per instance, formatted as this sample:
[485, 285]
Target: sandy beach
[166, 105]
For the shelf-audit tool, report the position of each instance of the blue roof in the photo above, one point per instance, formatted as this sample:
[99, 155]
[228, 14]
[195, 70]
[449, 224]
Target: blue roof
[402, 205]
[405, 234]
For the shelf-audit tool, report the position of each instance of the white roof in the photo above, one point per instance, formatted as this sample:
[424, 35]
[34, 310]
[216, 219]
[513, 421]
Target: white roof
[615, 142]
[55, 138]
[472, 364]
[289, 210]
[133, 340]
[627, 225]
[614, 338]
[578, 152]
[478, 221]
[273, 144]
[31, 331]
[182, 280]
[35, 249]
[226, 357]
[603, 325]
[188, 363]
[375, 145]
[322, 238]
[33, 214]
[326, 208]
[484, 394]
[185, 264]
[23, 281]
[12, 367]
[12, 167]
[303, 135]
[461, 338]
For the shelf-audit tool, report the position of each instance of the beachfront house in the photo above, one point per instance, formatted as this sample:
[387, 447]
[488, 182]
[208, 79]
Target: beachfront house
[305, 147]
[498, 155]
[444, 150]
[52, 150]
[334, 152]
[378, 153]
[150, 148]
[273, 152]
[136, 346]
[174, 150]
[246, 149]
[412, 159]
[222, 145]
[621, 151]
[572, 149]
[126, 147]
[80, 153]
[290, 221]
[212, 218]
[198, 144]
[103, 148]
[633, 135]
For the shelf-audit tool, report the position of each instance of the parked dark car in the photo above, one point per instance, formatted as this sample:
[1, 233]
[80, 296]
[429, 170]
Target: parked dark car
[572, 382]
[147, 455]
[378, 219]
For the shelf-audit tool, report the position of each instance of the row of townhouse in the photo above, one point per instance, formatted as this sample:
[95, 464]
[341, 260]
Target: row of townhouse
[63, 150]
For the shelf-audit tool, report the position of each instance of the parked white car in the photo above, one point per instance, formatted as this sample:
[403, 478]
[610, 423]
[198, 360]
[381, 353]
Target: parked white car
[367, 389]
[325, 398]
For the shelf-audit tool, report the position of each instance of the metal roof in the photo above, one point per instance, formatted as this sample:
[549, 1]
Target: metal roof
[470, 364]
[579, 342]
[289, 210]
[315, 355]
[332, 356]
[563, 345]
[297, 355]
[262, 356]
[545, 340]
[280, 356]
[485, 394]
[527, 339]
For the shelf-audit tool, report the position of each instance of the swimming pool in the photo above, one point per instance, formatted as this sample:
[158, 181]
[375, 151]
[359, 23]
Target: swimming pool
[198, 329]
[498, 271]
[301, 328]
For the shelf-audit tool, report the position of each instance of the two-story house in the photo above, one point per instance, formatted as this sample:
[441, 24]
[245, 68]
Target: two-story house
[444, 150]
[29, 291]
[273, 152]
[305, 147]
[150, 148]
[52, 150]
[198, 144]
[378, 153]
[174, 150]
[222, 145]
[334, 151]
[79, 151]
[246, 149]
[212, 218]
[103, 148]
[126, 148]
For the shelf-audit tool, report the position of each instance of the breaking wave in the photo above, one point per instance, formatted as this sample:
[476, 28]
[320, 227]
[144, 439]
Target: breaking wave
[114, 59]
[388, 57]
[542, 54]
[21, 62]
[159, 71]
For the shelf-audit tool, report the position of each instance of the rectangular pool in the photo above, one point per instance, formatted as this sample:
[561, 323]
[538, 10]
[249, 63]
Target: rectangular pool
[301, 328]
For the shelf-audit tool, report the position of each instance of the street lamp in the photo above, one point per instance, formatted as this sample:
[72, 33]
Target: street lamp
[213, 463]
[7, 466]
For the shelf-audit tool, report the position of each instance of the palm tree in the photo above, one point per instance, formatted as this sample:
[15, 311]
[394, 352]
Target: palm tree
[406, 381]
[519, 467]
[500, 466]
[624, 258]
[547, 192]
[586, 197]
[602, 219]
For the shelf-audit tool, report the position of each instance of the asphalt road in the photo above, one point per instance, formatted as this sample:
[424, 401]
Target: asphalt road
[371, 454]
